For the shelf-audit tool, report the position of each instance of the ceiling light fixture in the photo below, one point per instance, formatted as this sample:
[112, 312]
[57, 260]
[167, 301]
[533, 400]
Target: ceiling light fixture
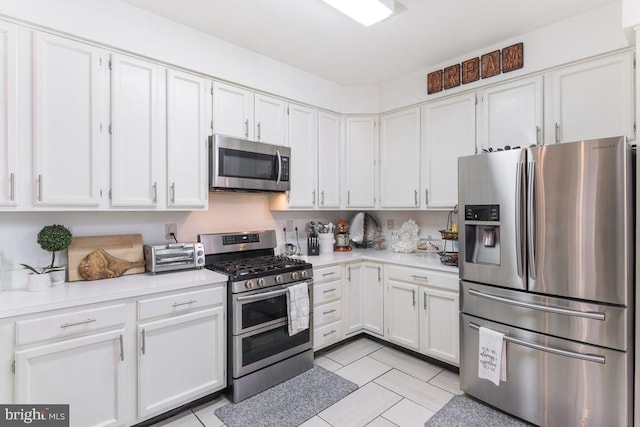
[366, 12]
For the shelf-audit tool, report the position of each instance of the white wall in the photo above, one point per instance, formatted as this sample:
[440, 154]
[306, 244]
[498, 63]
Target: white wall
[595, 32]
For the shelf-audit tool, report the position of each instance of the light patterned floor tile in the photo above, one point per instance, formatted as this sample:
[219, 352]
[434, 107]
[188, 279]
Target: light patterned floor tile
[205, 412]
[184, 419]
[381, 422]
[328, 364]
[406, 363]
[360, 407]
[447, 380]
[353, 351]
[408, 414]
[315, 422]
[422, 393]
[363, 370]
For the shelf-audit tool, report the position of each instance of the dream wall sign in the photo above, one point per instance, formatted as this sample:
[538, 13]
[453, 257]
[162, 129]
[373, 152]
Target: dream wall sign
[488, 65]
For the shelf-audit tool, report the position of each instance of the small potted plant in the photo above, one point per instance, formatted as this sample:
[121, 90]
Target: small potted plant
[52, 238]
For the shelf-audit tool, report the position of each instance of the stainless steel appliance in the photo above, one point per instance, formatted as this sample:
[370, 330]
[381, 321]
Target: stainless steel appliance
[241, 165]
[261, 353]
[173, 256]
[546, 257]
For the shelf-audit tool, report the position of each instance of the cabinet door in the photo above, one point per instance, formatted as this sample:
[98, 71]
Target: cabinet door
[9, 173]
[402, 314]
[188, 127]
[511, 114]
[270, 120]
[304, 159]
[360, 167]
[88, 373]
[180, 359]
[232, 111]
[372, 297]
[329, 159]
[69, 99]
[137, 140]
[353, 303]
[439, 331]
[400, 159]
[449, 132]
[591, 100]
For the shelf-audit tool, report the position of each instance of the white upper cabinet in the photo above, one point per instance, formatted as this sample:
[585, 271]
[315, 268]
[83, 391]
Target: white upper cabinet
[69, 100]
[242, 114]
[188, 130]
[303, 140]
[137, 140]
[590, 100]
[400, 159]
[360, 167]
[511, 114]
[9, 172]
[329, 159]
[270, 120]
[449, 132]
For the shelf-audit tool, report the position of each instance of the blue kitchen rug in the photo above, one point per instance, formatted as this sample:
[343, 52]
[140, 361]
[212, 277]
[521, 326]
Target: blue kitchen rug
[462, 411]
[290, 403]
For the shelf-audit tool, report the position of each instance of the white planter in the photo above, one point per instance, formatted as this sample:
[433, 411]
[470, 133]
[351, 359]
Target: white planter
[38, 282]
[58, 277]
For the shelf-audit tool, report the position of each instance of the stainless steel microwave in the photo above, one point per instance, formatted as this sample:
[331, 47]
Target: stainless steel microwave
[240, 165]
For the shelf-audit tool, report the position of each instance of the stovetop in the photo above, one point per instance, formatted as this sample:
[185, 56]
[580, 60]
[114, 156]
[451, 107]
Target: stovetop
[248, 268]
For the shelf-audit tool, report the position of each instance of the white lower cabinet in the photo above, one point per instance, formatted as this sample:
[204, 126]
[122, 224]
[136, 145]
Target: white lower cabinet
[327, 305]
[182, 352]
[76, 358]
[422, 311]
[364, 298]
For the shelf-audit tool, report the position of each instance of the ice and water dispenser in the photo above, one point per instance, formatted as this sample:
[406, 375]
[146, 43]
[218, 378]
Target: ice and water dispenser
[482, 234]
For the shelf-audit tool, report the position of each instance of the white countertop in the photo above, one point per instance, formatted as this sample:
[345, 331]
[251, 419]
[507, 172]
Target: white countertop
[18, 302]
[419, 260]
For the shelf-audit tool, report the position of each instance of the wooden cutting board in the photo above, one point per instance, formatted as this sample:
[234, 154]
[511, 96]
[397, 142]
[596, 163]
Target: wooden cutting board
[102, 257]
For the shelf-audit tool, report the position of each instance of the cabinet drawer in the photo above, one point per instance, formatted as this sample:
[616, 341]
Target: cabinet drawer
[327, 313]
[180, 303]
[326, 274]
[326, 292]
[69, 324]
[423, 277]
[327, 335]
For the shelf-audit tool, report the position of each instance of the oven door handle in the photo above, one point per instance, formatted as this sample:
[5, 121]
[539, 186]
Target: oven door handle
[262, 295]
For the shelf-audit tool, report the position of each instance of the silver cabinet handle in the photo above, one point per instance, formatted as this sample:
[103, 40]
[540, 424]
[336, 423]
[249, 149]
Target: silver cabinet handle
[121, 349]
[12, 189]
[331, 273]
[348, 197]
[415, 196]
[246, 128]
[426, 197]
[537, 135]
[143, 347]
[414, 297]
[560, 352]
[39, 188]
[313, 197]
[556, 310]
[349, 273]
[557, 133]
[425, 278]
[329, 312]
[322, 198]
[178, 304]
[379, 274]
[329, 290]
[82, 322]
[333, 331]
[173, 193]
[154, 188]
[258, 126]
[425, 300]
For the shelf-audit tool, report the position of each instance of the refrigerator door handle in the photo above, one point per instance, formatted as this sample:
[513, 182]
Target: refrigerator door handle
[531, 218]
[518, 213]
[557, 310]
[558, 351]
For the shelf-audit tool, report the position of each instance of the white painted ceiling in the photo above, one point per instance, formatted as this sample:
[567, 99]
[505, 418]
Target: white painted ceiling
[312, 36]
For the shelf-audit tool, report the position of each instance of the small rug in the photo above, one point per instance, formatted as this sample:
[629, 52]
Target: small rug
[290, 403]
[462, 411]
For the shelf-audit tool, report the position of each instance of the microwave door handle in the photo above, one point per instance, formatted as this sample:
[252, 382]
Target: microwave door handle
[279, 166]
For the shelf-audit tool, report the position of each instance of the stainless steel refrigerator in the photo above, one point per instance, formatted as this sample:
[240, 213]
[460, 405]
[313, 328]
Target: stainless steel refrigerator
[546, 258]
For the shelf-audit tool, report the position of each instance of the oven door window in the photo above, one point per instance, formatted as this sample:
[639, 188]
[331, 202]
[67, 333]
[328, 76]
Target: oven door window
[271, 342]
[245, 164]
[264, 311]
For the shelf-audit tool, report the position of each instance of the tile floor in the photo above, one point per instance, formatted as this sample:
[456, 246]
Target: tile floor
[395, 389]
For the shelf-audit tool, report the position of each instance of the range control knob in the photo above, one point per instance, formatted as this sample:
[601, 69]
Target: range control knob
[261, 282]
[294, 275]
[249, 284]
[278, 279]
[304, 274]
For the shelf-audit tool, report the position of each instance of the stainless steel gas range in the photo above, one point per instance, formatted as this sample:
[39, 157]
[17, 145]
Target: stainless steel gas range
[261, 353]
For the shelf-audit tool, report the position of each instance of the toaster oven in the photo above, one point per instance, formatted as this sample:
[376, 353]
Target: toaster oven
[173, 256]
